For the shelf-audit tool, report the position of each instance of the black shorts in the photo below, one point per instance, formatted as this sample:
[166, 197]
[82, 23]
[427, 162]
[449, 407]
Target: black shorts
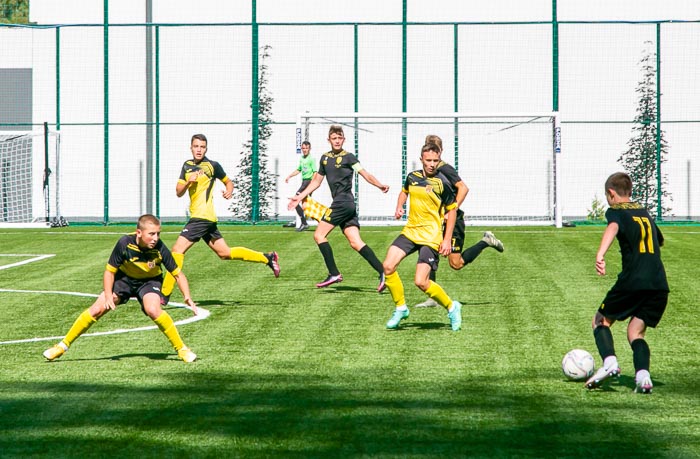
[126, 287]
[342, 214]
[457, 233]
[426, 254]
[648, 305]
[304, 184]
[197, 229]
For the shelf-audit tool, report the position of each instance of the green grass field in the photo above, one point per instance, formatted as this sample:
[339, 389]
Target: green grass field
[288, 370]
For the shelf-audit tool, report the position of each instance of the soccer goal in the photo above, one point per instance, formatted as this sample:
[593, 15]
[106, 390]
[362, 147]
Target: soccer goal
[508, 161]
[29, 190]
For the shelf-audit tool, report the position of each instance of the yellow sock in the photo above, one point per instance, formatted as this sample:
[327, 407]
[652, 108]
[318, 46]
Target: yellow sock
[169, 281]
[439, 295]
[80, 326]
[241, 253]
[395, 286]
[167, 326]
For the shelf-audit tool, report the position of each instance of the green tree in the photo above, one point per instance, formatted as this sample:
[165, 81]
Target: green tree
[14, 11]
[242, 205]
[641, 160]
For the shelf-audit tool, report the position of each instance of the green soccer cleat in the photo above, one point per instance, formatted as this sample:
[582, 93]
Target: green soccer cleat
[396, 317]
[455, 316]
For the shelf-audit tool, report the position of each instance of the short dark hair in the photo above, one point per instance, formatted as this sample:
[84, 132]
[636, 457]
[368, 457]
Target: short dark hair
[201, 137]
[621, 183]
[306, 142]
[336, 129]
[432, 138]
[430, 147]
[145, 219]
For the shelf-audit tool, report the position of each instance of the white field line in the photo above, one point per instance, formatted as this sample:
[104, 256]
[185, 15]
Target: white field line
[203, 314]
[24, 262]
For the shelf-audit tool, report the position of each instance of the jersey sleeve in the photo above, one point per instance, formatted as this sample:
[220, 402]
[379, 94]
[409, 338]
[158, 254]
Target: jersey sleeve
[219, 171]
[450, 173]
[448, 197]
[118, 255]
[168, 260]
[183, 171]
[406, 183]
[321, 168]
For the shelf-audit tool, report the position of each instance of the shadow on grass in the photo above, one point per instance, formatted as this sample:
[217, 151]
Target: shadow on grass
[305, 415]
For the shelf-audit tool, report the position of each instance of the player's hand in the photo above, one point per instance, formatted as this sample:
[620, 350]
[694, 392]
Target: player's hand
[445, 247]
[109, 304]
[384, 188]
[600, 267]
[286, 180]
[399, 213]
[293, 202]
[227, 194]
[193, 306]
[194, 176]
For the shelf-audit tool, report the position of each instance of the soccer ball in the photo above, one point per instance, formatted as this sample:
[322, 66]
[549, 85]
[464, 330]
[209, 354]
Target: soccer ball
[577, 365]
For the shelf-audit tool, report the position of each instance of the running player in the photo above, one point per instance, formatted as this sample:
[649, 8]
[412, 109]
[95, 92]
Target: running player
[430, 192]
[641, 290]
[339, 166]
[198, 176]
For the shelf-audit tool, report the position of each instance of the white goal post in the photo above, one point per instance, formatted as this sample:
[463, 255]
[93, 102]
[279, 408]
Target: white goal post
[509, 161]
[29, 170]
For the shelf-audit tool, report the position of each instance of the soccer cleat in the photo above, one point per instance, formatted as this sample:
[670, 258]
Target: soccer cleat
[491, 240]
[330, 280]
[289, 225]
[382, 284]
[601, 375]
[54, 352]
[644, 385]
[273, 263]
[186, 355]
[455, 316]
[429, 303]
[303, 227]
[396, 317]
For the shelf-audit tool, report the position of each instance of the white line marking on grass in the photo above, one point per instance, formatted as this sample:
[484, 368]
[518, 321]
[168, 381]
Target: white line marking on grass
[24, 262]
[203, 314]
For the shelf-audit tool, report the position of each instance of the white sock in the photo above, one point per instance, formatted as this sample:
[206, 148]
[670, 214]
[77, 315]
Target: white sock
[641, 374]
[610, 362]
[403, 307]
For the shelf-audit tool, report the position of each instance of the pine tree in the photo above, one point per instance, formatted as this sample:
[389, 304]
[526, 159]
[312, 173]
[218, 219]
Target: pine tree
[640, 160]
[242, 205]
[14, 11]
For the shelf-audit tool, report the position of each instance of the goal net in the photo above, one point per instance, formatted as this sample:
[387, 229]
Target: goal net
[508, 161]
[29, 192]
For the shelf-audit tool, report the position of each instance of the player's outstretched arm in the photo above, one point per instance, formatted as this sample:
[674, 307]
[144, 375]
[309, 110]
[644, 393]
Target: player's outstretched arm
[605, 243]
[400, 202]
[372, 180]
[184, 287]
[313, 186]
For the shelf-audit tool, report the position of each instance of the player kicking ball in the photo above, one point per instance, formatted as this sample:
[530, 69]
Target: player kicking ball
[135, 270]
[429, 191]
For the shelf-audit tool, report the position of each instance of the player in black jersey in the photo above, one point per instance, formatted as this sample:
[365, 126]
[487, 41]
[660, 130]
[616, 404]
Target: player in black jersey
[135, 269]
[458, 257]
[641, 290]
[339, 167]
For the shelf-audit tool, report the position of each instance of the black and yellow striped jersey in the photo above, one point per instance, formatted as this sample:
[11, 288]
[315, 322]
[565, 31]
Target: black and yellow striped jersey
[201, 196]
[141, 263]
[428, 196]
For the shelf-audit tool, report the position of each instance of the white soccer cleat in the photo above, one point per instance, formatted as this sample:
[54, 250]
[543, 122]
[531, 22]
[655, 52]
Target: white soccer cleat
[601, 375]
[491, 240]
[429, 303]
[54, 352]
[186, 355]
[644, 384]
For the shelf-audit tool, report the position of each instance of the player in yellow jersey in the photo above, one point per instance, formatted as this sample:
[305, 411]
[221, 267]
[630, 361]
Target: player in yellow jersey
[197, 177]
[430, 194]
[135, 269]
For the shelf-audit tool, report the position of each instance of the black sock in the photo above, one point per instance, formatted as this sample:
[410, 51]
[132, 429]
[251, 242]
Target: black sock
[604, 341]
[474, 251]
[327, 253]
[640, 354]
[368, 254]
[433, 275]
[300, 213]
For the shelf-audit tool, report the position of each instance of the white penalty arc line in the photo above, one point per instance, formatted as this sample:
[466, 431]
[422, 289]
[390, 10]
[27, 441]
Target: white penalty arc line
[201, 315]
[24, 262]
